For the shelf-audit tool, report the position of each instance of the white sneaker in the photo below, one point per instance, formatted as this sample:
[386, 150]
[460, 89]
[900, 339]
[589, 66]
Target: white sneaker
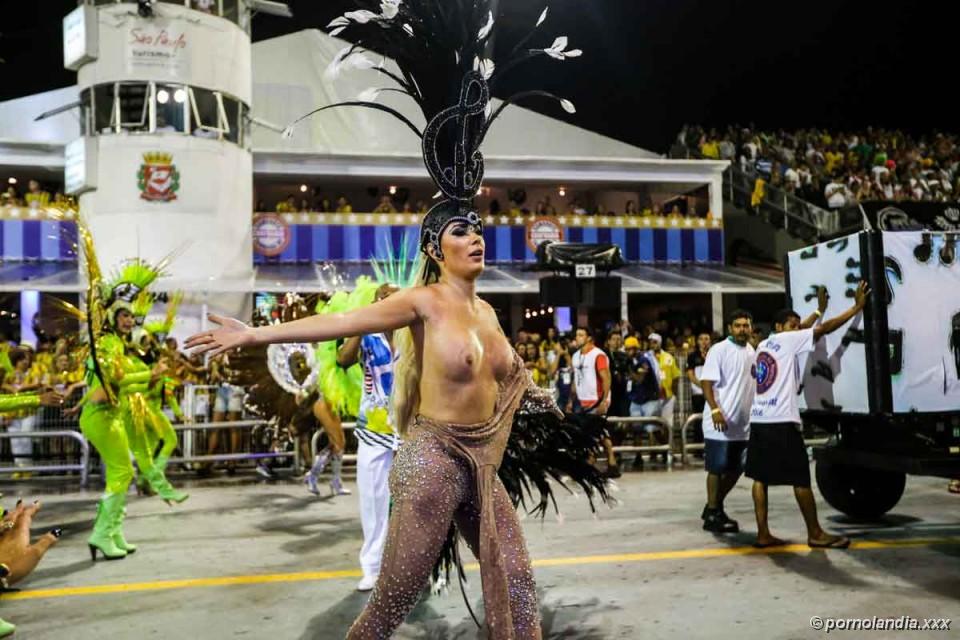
[367, 583]
[337, 488]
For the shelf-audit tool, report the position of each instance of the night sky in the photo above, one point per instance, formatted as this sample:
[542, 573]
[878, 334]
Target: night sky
[649, 66]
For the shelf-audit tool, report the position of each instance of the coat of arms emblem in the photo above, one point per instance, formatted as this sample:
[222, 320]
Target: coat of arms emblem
[158, 178]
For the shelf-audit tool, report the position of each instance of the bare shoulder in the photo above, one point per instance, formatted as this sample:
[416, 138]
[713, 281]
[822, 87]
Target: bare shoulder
[428, 299]
[490, 313]
[486, 306]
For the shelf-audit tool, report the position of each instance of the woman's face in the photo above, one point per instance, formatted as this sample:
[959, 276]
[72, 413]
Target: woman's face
[463, 250]
[63, 362]
[23, 364]
[125, 322]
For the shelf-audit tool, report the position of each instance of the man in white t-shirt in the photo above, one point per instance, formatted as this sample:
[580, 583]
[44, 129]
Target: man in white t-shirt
[727, 383]
[836, 193]
[776, 454]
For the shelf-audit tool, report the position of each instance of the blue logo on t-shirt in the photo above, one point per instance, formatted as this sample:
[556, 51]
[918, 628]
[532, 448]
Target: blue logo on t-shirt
[765, 371]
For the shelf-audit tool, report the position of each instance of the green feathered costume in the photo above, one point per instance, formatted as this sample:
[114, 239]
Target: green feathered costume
[341, 388]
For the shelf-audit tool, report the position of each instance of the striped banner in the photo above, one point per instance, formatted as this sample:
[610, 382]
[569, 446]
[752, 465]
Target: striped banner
[360, 237]
[40, 240]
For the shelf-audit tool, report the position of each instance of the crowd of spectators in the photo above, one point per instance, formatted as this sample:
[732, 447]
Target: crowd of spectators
[678, 208]
[35, 196]
[647, 368]
[385, 204]
[58, 365]
[834, 170]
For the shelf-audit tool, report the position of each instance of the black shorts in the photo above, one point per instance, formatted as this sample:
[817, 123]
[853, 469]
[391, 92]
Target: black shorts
[776, 455]
[724, 456]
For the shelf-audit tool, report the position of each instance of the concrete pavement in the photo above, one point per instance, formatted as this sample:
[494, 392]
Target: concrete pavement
[248, 559]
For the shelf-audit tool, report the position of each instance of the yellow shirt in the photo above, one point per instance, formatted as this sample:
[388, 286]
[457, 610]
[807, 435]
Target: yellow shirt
[759, 192]
[38, 199]
[832, 160]
[345, 209]
[669, 371]
[710, 150]
[40, 367]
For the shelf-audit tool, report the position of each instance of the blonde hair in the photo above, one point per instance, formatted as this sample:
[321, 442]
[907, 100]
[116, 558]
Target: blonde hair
[405, 395]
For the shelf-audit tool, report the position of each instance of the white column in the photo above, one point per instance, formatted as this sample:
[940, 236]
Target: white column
[624, 306]
[716, 302]
[29, 307]
[715, 189]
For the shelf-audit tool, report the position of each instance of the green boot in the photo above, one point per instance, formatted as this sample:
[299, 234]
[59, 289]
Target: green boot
[160, 462]
[6, 629]
[101, 539]
[143, 486]
[117, 534]
[164, 489]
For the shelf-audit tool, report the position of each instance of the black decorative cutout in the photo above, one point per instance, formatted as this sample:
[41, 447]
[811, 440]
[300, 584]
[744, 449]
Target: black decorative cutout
[894, 272]
[896, 351]
[924, 250]
[822, 370]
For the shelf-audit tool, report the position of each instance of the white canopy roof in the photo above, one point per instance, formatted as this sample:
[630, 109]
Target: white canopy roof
[290, 79]
[636, 279]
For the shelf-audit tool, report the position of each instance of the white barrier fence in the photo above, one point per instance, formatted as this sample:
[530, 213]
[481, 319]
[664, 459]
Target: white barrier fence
[635, 427]
[83, 466]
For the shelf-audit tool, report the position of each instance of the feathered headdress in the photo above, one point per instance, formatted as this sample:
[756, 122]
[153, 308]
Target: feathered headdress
[160, 328]
[127, 287]
[440, 48]
[96, 305]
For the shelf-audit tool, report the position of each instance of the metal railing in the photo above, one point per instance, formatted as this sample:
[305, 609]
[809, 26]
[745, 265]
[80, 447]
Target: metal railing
[666, 448]
[83, 466]
[797, 216]
[189, 457]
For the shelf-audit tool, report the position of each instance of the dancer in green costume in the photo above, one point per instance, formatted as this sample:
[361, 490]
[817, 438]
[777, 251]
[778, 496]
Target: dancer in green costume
[145, 426]
[150, 347]
[340, 389]
[111, 379]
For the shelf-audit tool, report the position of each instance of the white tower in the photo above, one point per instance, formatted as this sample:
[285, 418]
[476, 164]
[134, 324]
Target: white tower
[164, 162]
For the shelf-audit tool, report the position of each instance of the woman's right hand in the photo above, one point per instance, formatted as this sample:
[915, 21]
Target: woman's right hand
[231, 334]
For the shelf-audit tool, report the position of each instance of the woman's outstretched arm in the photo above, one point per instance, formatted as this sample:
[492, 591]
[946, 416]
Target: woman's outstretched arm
[399, 310]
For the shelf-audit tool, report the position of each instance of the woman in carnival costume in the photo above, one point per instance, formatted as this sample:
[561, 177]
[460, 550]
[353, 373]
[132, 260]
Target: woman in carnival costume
[461, 394]
[148, 346]
[340, 389]
[112, 379]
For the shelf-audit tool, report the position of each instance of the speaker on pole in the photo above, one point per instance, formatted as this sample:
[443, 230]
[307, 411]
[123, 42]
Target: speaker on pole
[596, 293]
[558, 291]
